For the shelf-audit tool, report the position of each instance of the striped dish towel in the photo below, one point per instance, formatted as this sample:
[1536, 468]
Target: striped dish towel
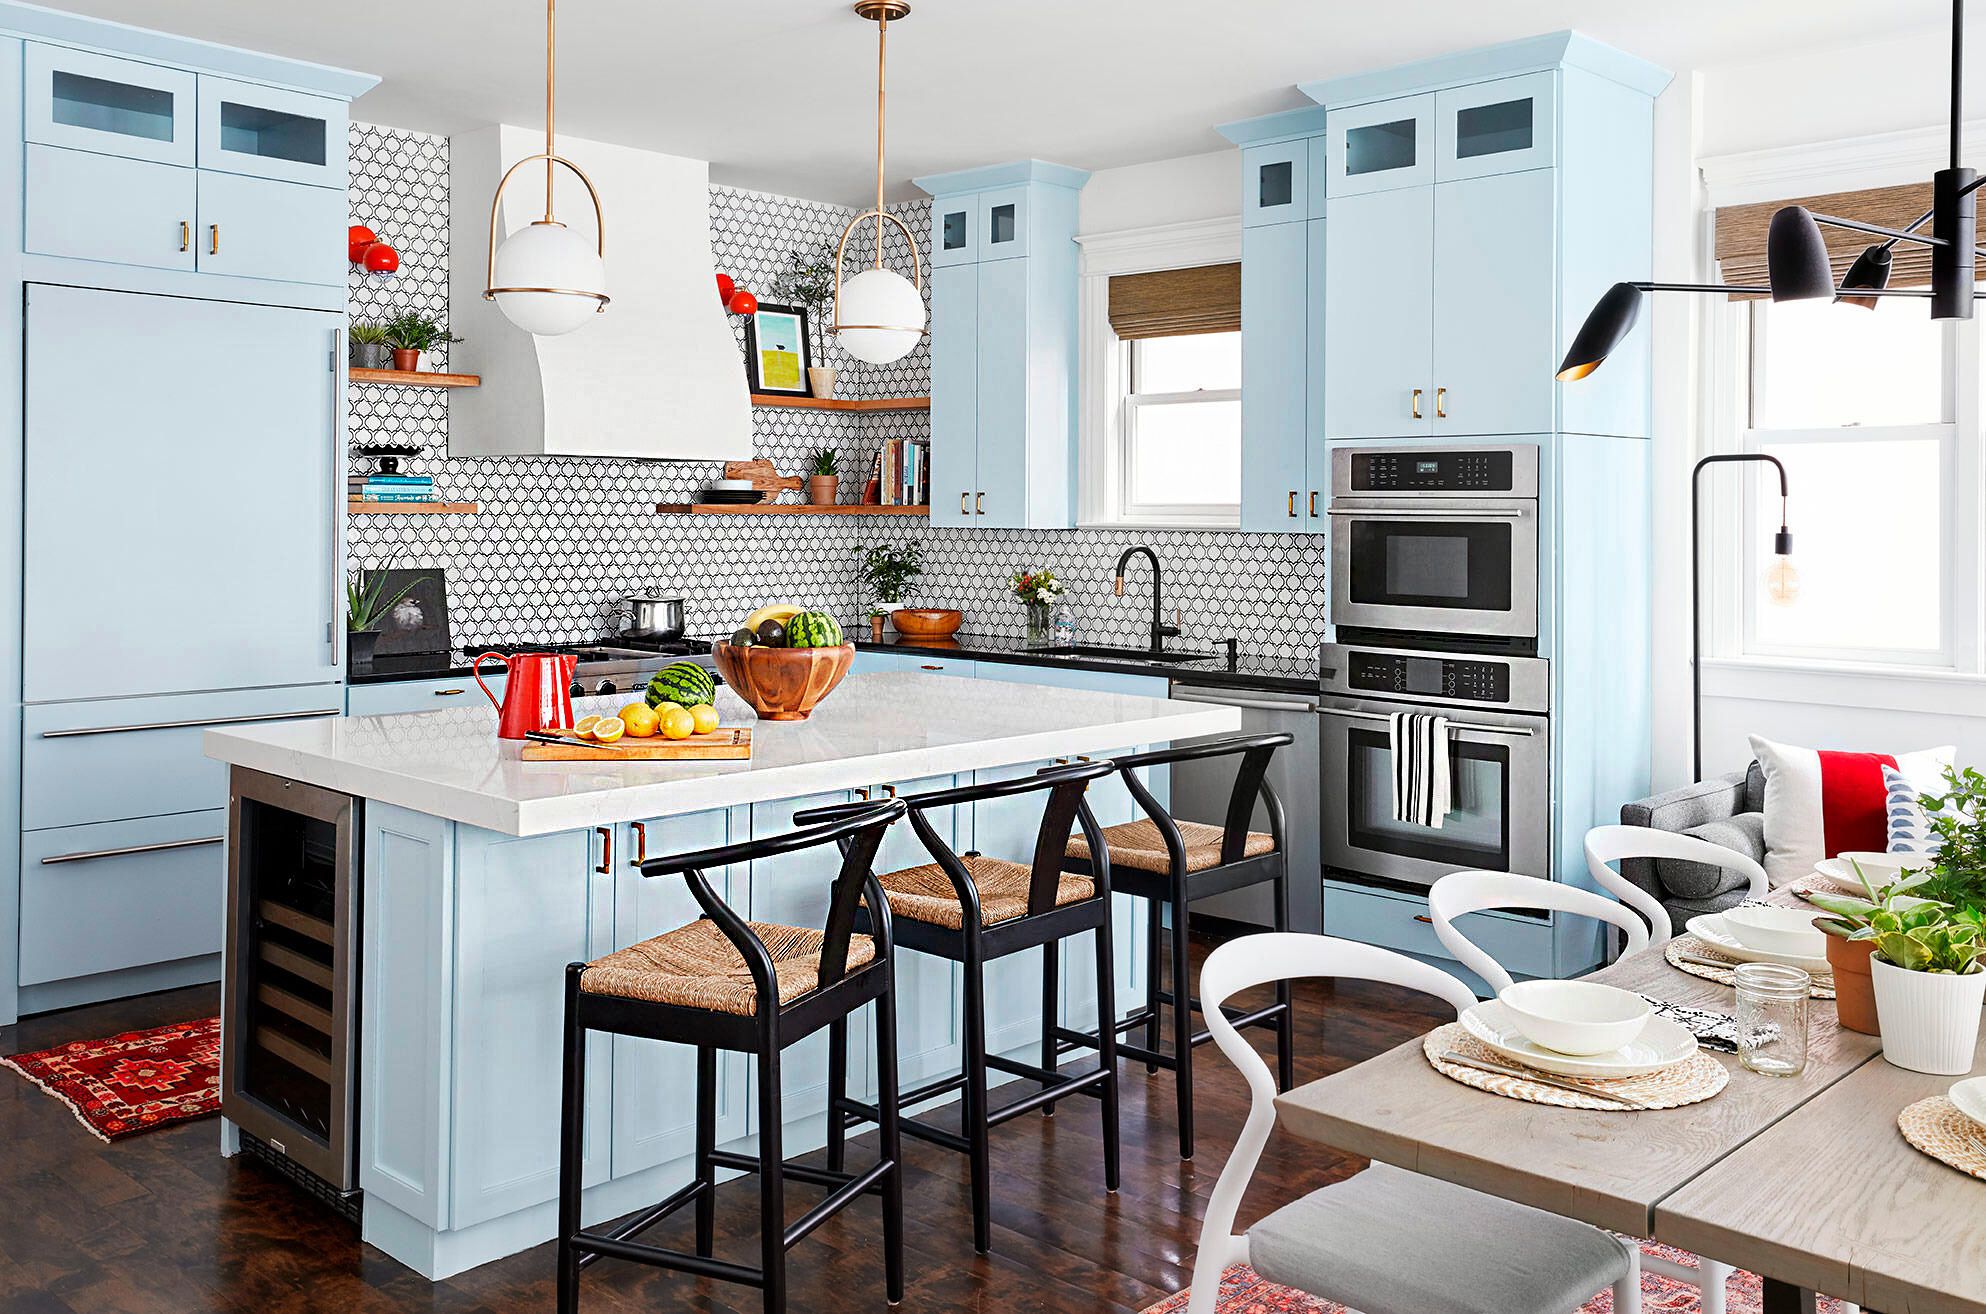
[1420, 768]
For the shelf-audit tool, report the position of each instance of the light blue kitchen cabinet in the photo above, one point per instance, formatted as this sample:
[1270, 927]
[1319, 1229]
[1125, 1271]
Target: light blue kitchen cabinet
[1494, 320]
[182, 478]
[1275, 183]
[395, 697]
[96, 102]
[1379, 314]
[271, 132]
[260, 228]
[1374, 148]
[1504, 126]
[1395, 920]
[1003, 349]
[919, 663]
[1276, 483]
[151, 222]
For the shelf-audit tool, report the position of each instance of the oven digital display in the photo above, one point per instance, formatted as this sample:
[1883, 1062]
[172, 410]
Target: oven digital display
[1423, 675]
[1488, 470]
[1427, 467]
[1457, 678]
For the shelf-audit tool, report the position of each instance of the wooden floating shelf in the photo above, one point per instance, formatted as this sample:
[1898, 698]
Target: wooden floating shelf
[413, 508]
[842, 403]
[786, 509]
[416, 378]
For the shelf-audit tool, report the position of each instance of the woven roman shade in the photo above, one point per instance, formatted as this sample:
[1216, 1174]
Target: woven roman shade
[1170, 302]
[1741, 232]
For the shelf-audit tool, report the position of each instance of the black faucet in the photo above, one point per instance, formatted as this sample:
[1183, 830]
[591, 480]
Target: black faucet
[1160, 630]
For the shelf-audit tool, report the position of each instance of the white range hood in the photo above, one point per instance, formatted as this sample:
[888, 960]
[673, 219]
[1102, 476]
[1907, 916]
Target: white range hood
[658, 375]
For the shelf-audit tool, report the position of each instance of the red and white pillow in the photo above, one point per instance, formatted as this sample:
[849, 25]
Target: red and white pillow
[1820, 803]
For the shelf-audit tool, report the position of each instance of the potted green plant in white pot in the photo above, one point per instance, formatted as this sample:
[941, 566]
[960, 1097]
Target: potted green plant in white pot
[1930, 985]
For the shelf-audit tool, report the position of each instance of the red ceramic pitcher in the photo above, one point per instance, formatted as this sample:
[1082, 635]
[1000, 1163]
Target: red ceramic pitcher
[538, 695]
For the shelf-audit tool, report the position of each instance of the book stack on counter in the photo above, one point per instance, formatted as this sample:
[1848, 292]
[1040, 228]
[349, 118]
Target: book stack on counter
[905, 472]
[391, 488]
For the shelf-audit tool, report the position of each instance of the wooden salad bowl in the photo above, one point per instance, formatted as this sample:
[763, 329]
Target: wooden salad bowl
[783, 684]
[927, 622]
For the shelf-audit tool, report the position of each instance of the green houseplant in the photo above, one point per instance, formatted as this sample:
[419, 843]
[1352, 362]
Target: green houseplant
[370, 347]
[366, 600]
[887, 569]
[410, 334]
[808, 280]
[1958, 818]
[824, 477]
[1930, 984]
[1851, 940]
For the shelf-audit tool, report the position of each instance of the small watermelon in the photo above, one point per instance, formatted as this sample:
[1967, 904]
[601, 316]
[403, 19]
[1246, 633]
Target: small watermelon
[685, 684]
[813, 629]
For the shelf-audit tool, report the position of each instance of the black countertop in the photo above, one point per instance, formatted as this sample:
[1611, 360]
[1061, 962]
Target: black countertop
[413, 666]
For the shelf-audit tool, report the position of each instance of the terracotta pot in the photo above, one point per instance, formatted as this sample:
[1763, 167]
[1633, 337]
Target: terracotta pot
[404, 359]
[926, 622]
[875, 629]
[821, 489]
[783, 684]
[1854, 990]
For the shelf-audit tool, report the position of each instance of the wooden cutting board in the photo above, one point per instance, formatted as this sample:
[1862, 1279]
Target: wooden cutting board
[765, 477]
[724, 744]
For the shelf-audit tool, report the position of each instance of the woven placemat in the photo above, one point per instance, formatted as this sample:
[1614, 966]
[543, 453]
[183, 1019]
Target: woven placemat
[1823, 987]
[1936, 1127]
[1690, 1082]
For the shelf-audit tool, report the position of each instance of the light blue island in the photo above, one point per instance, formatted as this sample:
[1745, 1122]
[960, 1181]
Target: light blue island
[481, 876]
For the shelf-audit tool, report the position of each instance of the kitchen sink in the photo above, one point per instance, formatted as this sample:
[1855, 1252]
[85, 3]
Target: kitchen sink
[1123, 654]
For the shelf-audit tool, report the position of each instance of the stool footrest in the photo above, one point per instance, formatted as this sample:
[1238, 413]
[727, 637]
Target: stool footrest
[799, 1172]
[1078, 1084]
[594, 1245]
[840, 1197]
[1127, 1050]
[929, 1090]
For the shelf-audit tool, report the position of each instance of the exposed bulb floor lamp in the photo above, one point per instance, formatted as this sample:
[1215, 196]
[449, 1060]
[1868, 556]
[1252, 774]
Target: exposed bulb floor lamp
[1797, 264]
[879, 314]
[546, 278]
[1782, 583]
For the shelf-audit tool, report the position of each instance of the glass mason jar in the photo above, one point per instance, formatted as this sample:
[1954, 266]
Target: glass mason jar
[1040, 625]
[1772, 1018]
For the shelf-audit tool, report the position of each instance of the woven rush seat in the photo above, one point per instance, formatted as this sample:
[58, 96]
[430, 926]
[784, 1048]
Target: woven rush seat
[1138, 845]
[926, 894]
[694, 966]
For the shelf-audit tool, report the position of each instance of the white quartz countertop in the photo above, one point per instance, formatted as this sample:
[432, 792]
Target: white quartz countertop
[872, 730]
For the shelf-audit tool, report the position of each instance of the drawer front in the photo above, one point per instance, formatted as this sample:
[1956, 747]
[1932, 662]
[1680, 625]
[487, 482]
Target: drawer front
[119, 758]
[112, 106]
[268, 132]
[122, 894]
[401, 696]
[1397, 921]
[261, 228]
[1144, 686]
[106, 207]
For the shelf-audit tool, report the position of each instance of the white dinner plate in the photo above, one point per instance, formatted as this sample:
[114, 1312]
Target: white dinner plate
[1710, 928]
[1837, 873]
[1662, 1044]
[1970, 1098]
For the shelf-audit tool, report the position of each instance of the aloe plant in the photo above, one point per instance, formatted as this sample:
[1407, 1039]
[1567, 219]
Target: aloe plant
[366, 600]
[1850, 917]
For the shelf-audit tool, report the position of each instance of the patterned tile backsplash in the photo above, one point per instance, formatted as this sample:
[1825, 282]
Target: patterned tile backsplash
[560, 539]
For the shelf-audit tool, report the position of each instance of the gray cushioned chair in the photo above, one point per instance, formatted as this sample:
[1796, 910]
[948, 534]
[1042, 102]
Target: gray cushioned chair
[1727, 810]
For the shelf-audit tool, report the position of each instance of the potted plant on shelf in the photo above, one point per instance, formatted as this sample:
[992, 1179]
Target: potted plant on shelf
[808, 280]
[370, 348]
[887, 570]
[366, 600]
[1851, 940]
[1930, 985]
[410, 334]
[825, 477]
[1039, 590]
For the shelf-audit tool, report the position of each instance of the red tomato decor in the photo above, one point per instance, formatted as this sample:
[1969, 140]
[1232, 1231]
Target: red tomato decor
[381, 259]
[357, 238]
[726, 285]
[743, 303]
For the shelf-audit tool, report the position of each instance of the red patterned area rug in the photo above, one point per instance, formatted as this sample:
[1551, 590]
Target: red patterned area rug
[135, 1082]
[1244, 1291]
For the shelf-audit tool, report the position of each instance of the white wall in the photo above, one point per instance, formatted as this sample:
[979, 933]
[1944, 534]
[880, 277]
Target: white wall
[1162, 192]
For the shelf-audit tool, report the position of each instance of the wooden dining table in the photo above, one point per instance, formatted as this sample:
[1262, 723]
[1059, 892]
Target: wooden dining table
[1804, 1180]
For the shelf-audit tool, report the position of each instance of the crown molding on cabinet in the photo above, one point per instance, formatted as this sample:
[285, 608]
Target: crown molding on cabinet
[1163, 246]
[1883, 159]
[1564, 49]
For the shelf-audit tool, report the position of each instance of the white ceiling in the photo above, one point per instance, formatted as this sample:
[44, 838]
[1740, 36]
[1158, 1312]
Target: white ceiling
[778, 94]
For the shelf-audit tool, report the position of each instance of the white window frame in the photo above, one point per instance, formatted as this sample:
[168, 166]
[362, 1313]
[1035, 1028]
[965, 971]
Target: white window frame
[1124, 459]
[1103, 480]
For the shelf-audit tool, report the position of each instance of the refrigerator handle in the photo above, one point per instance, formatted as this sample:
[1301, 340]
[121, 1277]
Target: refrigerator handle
[334, 629]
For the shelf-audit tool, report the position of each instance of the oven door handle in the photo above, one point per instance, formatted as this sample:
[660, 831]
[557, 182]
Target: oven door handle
[1429, 513]
[1482, 727]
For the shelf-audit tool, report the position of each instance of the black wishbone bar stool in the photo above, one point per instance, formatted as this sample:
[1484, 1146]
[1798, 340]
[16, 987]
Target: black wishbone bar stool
[1169, 863]
[972, 909]
[724, 983]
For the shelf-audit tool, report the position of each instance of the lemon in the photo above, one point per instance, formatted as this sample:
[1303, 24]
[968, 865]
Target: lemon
[705, 717]
[642, 720]
[607, 729]
[677, 722]
[585, 726]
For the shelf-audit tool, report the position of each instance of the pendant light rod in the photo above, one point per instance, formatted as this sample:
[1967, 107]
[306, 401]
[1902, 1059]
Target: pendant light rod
[1958, 77]
[882, 67]
[551, 97]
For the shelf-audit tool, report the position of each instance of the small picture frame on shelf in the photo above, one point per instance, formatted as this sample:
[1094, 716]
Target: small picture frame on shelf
[776, 353]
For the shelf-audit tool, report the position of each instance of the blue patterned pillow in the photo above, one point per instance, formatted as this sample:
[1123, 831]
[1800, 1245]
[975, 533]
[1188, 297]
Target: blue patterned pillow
[1909, 829]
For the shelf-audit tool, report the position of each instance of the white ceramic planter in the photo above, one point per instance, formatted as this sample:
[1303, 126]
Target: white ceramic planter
[1930, 1022]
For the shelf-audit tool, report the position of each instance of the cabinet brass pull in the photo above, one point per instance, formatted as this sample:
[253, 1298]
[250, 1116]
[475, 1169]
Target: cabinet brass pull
[92, 854]
[1423, 917]
[979, 505]
[1441, 403]
[1313, 504]
[965, 504]
[1292, 504]
[862, 793]
[889, 791]
[185, 235]
[930, 668]
[606, 835]
[449, 693]
[1417, 403]
[213, 239]
[640, 844]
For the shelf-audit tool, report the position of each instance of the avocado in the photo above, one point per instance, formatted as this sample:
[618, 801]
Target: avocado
[772, 634]
[744, 639]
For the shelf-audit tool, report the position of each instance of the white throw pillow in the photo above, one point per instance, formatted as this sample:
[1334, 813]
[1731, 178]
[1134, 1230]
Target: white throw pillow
[1909, 826]
[1819, 803]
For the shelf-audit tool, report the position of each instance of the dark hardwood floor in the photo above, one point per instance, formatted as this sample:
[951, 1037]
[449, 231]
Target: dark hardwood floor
[161, 1223]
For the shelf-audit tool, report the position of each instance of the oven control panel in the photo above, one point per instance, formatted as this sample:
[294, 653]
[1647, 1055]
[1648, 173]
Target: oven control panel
[1486, 470]
[1459, 679]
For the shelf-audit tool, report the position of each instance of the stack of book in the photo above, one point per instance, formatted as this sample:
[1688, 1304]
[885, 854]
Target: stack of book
[905, 472]
[391, 488]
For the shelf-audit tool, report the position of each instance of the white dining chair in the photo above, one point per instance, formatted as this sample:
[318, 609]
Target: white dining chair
[1606, 845]
[1385, 1241]
[1457, 895]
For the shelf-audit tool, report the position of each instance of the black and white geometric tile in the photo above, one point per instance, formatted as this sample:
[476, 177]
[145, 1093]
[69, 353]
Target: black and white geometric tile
[560, 539]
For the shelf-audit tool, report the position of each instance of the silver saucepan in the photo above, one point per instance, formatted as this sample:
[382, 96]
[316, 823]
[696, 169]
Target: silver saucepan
[655, 618]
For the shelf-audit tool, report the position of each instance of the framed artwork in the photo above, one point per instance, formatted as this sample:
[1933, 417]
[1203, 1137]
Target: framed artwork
[776, 355]
[418, 622]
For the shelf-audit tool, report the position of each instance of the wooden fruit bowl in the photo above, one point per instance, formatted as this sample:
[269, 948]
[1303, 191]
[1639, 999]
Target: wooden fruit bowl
[783, 684]
[927, 622]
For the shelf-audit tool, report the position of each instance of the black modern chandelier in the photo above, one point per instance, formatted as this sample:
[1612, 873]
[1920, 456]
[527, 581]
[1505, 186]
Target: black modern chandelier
[1797, 263]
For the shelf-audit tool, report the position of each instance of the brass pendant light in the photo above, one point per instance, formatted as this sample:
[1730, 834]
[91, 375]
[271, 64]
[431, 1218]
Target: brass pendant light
[878, 314]
[546, 278]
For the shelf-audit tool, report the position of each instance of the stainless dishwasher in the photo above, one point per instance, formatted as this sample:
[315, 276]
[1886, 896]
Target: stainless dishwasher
[1200, 792]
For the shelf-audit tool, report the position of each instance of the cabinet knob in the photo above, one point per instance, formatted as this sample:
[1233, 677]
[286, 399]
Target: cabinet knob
[185, 235]
[1441, 403]
[1417, 403]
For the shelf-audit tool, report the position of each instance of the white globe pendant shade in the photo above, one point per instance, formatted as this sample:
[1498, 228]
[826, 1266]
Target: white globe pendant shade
[880, 316]
[568, 268]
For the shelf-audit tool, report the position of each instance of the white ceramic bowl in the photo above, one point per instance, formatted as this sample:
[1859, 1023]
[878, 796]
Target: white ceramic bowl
[1777, 930]
[1880, 868]
[1577, 1017]
[1970, 1098]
